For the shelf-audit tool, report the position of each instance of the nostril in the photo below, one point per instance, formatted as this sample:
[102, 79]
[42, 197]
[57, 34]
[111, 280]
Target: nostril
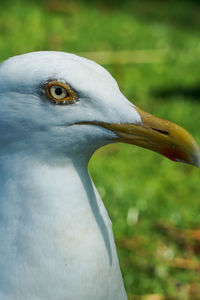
[161, 131]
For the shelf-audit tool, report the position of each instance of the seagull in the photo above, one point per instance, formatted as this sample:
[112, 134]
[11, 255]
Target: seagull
[56, 239]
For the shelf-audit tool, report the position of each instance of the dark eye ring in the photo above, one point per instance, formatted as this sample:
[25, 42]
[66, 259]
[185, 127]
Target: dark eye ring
[60, 93]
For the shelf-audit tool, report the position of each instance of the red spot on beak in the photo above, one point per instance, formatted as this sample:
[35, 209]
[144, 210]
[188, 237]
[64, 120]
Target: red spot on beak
[174, 154]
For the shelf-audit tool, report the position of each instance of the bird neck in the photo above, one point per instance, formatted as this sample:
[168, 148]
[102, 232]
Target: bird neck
[37, 198]
[34, 182]
[51, 218]
[33, 192]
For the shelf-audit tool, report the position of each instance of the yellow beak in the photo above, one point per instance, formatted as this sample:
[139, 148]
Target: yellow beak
[160, 136]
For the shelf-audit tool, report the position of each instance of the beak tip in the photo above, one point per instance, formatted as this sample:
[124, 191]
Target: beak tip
[196, 160]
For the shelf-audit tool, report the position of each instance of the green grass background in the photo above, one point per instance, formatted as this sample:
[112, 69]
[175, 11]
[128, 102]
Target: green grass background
[142, 191]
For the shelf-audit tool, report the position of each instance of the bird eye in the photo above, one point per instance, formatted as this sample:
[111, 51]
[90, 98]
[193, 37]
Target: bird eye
[60, 93]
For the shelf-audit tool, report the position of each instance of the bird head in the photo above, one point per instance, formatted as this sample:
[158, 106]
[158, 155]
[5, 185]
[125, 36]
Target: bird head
[59, 104]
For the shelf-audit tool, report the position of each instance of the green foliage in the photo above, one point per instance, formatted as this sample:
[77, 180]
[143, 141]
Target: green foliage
[140, 189]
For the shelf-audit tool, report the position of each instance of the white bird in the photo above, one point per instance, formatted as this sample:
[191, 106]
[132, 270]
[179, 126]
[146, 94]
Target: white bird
[56, 239]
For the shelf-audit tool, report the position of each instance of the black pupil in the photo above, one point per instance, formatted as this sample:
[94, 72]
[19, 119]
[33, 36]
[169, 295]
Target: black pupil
[58, 91]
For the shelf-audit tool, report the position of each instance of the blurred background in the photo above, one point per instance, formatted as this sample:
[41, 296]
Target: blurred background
[152, 48]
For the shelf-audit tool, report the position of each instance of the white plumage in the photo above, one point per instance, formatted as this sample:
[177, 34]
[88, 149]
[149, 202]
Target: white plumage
[56, 239]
